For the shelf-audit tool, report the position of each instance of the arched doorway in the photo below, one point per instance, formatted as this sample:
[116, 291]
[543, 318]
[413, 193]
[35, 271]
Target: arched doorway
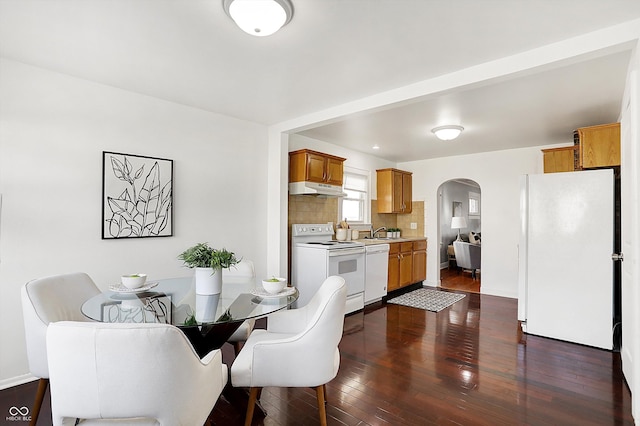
[459, 218]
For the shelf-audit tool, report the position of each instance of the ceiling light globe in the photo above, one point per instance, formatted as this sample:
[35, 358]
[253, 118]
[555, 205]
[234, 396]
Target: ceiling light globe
[447, 133]
[259, 17]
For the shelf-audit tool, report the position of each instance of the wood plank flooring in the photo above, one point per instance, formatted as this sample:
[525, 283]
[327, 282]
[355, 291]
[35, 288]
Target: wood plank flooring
[457, 279]
[466, 365]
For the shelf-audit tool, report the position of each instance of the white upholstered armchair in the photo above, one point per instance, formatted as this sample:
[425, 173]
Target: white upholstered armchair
[468, 256]
[143, 374]
[298, 349]
[47, 300]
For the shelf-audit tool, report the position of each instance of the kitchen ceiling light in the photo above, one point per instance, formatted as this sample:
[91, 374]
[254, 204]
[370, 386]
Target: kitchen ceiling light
[259, 17]
[447, 133]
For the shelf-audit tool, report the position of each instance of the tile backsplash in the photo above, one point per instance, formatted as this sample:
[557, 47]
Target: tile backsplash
[312, 209]
[416, 216]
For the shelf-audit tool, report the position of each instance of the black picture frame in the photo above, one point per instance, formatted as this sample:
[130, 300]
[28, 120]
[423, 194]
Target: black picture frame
[137, 196]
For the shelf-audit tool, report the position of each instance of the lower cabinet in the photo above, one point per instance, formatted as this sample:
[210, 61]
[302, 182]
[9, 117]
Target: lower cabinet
[393, 281]
[419, 261]
[407, 263]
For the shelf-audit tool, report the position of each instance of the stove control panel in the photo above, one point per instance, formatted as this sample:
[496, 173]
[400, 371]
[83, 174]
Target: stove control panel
[311, 229]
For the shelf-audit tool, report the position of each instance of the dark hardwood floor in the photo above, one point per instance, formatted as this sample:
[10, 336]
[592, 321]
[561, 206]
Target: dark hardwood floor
[456, 279]
[466, 365]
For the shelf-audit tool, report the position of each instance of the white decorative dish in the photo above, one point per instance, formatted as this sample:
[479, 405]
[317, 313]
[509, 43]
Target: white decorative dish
[274, 285]
[260, 292]
[133, 280]
[119, 288]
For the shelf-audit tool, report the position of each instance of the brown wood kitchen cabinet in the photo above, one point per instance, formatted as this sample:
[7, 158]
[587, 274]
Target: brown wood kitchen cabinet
[306, 165]
[407, 263]
[400, 265]
[599, 145]
[394, 189]
[419, 255]
[560, 159]
[594, 147]
[393, 274]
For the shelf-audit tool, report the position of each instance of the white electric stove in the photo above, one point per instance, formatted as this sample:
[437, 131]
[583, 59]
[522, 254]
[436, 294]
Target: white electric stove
[315, 255]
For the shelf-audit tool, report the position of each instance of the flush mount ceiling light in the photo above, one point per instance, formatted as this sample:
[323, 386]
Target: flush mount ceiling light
[447, 133]
[259, 17]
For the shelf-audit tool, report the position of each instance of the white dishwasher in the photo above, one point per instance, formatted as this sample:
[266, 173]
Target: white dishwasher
[376, 267]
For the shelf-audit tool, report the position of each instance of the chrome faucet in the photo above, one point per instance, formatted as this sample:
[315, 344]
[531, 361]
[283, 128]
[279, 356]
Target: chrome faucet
[373, 234]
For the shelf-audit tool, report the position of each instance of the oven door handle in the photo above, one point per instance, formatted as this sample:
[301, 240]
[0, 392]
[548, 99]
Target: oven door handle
[346, 252]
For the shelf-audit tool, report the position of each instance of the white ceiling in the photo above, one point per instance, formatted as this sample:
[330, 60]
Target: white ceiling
[338, 51]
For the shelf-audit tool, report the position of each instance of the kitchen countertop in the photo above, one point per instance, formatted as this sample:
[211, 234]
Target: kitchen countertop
[371, 241]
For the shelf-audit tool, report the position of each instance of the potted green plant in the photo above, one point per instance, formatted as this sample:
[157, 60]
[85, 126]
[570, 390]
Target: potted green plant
[393, 232]
[208, 264]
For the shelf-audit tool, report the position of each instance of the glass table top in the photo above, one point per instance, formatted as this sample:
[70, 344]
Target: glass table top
[174, 301]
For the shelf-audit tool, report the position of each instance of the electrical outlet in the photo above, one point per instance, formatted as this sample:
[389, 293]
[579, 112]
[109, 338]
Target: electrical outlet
[414, 225]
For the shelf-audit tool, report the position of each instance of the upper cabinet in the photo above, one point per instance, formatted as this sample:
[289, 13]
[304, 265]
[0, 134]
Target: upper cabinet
[312, 166]
[394, 191]
[594, 146]
[560, 159]
[599, 145]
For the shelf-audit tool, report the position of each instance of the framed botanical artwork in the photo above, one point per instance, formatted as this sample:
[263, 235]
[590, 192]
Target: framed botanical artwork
[137, 196]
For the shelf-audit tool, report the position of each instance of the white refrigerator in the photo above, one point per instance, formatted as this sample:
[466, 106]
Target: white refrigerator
[565, 288]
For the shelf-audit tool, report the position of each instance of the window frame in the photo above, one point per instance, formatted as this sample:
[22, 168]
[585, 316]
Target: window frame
[366, 201]
[475, 197]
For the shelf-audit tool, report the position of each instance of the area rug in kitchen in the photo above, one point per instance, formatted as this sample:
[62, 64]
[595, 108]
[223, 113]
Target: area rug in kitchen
[430, 300]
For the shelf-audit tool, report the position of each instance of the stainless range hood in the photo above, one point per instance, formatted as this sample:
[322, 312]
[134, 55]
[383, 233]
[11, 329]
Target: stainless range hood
[314, 188]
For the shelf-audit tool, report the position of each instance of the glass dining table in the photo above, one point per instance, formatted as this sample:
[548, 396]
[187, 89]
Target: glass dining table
[207, 320]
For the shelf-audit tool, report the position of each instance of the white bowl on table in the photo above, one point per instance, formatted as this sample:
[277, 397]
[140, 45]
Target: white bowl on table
[274, 285]
[133, 281]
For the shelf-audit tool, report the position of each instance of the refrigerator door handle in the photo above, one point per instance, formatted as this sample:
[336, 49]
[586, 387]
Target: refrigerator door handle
[617, 257]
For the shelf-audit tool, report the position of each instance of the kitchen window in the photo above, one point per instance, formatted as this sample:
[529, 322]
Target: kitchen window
[354, 207]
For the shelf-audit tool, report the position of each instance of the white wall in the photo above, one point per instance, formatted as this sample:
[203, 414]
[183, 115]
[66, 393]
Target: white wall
[497, 174]
[53, 129]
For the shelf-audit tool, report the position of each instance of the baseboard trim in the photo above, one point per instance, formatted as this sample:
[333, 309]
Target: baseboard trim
[15, 381]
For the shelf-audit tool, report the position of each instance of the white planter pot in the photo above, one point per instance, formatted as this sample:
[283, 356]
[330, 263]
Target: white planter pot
[208, 281]
[206, 307]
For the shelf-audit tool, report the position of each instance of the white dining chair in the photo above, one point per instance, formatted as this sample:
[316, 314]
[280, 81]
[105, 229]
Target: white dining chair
[243, 269]
[47, 300]
[130, 373]
[299, 348]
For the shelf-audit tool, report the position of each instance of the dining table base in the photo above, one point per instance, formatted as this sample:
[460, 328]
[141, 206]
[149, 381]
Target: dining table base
[206, 338]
